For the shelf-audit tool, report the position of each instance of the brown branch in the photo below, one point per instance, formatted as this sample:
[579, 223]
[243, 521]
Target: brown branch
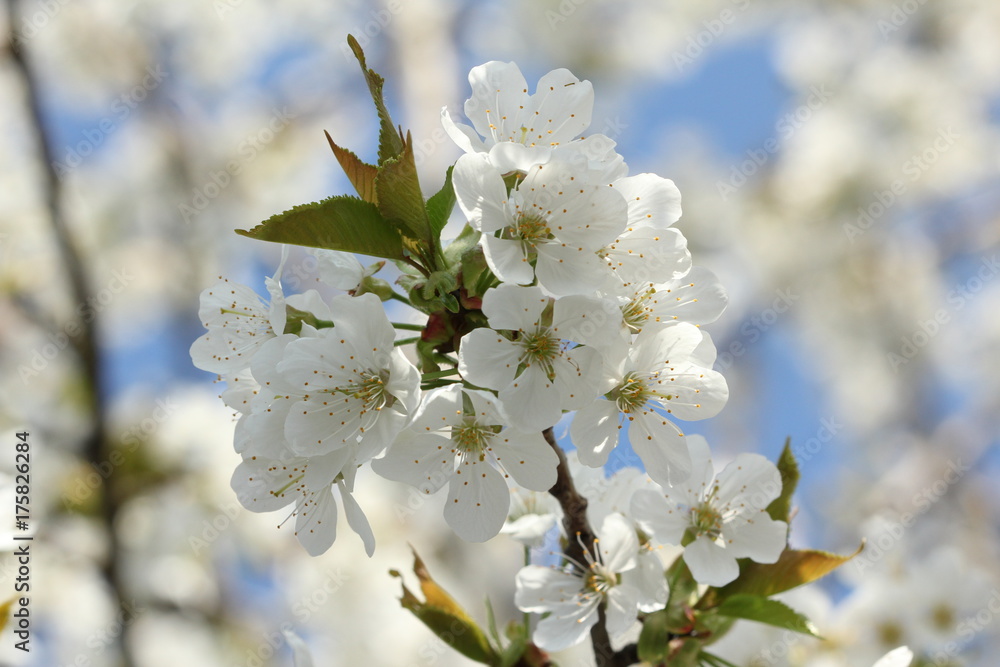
[581, 536]
[85, 342]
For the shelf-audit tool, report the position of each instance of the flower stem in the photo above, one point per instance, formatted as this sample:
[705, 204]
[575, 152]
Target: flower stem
[406, 326]
[400, 298]
[406, 341]
[439, 374]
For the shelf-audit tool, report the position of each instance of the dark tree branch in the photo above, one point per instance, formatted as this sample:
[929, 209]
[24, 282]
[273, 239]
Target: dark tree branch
[581, 536]
[84, 343]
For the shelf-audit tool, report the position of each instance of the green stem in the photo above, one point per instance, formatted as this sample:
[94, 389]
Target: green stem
[401, 299]
[417, 265]
[406, 341]
[716, 661]
[527, 615]
[439, 374]
[408, 327]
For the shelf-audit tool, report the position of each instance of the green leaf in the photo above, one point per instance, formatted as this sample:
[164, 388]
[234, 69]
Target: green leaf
[793, 569]
[338, 223]
[491, 622]
[781, 507]
[654, 640]
[446, 618]
[390, 141]
[441, 204]
[361, 174]
[399, 198]
[763, 610]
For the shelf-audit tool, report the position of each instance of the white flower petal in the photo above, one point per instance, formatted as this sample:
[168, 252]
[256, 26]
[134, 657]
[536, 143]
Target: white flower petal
[464, 136]
[421, 460]
[652, 200]
[761, 540]
[750, 479]
[698, 298]
[528, 458]
[506, 259]
[619, 545]
[564, 269]
[356, 519]
[514, 308]
[648, 578]
[578, 377]
[538, 588]
[900, 657]
[316, 522]
[533, 398]
[594, 430]
[480, 192]
[258, 481]
[478, 500]
[487, 359]
[661, 446]
[498, 93]
[569, 628]
[623, 603]
[659, 517]
[587, 320]
[530, 529]
[710, 563]
[562, 107]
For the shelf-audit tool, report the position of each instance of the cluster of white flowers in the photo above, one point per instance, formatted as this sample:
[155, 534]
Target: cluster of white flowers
[596, 309]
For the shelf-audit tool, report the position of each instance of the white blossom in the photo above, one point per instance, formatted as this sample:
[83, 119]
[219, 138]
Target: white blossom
[571, 595]
[239, 322]
[551, 225]
[900, 657]
[266, 485]
[469, 448]
[666, 371]
[724, 517]
[502, 110]
[346, 385]
[537, 369]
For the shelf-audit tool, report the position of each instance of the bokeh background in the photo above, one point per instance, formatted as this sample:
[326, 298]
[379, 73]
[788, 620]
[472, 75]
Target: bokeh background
[839, 165]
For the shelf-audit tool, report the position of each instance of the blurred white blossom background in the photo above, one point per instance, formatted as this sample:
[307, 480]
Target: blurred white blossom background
[839, 165]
